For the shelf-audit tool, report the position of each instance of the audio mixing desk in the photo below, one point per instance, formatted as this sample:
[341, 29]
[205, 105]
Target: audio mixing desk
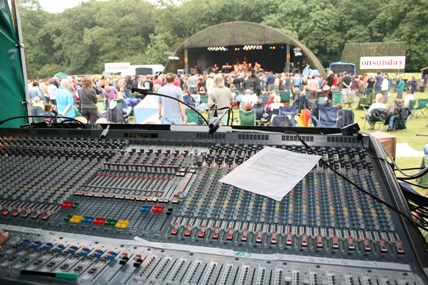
[147, 207]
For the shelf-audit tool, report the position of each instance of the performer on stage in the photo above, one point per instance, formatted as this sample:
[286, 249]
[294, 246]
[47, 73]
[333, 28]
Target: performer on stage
[226, 68]
[257, 66]
[215, 68]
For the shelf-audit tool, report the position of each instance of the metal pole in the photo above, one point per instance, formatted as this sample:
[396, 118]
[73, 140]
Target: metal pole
[20, 45]
[186, 61]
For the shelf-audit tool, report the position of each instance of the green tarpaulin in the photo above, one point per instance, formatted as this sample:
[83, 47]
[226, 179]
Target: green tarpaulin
[12, 83]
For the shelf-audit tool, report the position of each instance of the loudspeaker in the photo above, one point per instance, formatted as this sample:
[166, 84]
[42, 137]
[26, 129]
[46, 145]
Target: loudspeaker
[143, 71]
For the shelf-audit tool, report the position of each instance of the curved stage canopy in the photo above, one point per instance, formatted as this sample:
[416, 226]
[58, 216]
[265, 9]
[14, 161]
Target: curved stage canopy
[277, 47]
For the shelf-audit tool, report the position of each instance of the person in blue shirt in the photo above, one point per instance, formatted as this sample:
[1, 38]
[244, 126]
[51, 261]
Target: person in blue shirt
[270, 82]
[171, 111]
[65, 100]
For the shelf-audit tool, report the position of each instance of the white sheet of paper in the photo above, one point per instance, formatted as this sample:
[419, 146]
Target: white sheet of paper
[271, 172]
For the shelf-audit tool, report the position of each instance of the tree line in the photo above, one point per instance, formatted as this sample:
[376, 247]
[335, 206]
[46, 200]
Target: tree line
[81, 39]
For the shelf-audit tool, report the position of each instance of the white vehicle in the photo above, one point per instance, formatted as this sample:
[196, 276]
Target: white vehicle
[152, 69]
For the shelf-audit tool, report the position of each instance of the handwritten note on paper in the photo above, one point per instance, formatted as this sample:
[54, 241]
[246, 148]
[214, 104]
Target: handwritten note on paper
[271, 172]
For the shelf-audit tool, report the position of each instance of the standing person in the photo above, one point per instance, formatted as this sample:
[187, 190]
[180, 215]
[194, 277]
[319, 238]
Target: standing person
[378, 82]
[51, 91]
[400, 87]
[369, 85]
[313, 88]
[347, 84]
[220, 96]
[413, 85]
[270, 82]
[170, 111]
[248, 83]
[257, 84]
[36, 92]
[88, 101]
[385, 87]
[65, 100]
[110, 93]
[298, 81]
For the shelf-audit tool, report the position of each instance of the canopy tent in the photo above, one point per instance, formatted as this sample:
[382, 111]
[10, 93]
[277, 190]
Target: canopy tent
[12, 80]
[61, 75]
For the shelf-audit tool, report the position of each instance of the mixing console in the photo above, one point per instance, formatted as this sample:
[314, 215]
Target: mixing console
[147, 207]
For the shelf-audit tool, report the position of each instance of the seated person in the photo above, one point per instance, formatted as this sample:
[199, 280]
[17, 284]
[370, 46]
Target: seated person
[202, 91]
[276, 104]
[409, 96]
[48, 113]
[248, 107]
[38, 103]
[113, 114]
[188, 99]
[249, 97]
[269, 101]
[377, 105]
[3, 237]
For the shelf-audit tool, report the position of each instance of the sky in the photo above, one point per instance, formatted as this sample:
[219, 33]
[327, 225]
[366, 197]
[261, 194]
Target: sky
[57, 6]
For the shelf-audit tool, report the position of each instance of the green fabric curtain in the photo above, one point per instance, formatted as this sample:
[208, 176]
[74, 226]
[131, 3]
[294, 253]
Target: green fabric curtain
[12, 85]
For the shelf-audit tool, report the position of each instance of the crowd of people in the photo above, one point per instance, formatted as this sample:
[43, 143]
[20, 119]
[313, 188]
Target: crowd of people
[74, 97]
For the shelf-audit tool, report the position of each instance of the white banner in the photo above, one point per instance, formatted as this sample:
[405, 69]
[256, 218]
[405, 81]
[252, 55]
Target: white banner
[116, 67]
[383, 62]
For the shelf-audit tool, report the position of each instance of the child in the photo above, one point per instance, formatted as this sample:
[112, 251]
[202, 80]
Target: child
[49, 114]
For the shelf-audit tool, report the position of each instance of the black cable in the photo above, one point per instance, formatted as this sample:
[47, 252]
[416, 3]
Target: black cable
[53, 117]
[413, 184]
[355, 185]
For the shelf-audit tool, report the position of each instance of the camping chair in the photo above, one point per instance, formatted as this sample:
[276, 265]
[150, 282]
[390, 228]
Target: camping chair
[192, 116]
[281, 121]
[247, 118]
[366, 102]
[285, 96]
[259, 111]
[337, 98]
[37, 111]
[264, 99]
[350, 99]
[204, 99]
[322, 97]
[327, 117]
[421, 108]
[290, 112]
[412, 104]
[377, 117]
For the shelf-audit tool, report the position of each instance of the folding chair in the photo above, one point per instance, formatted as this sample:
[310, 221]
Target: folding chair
[412, 104]
[322, 97]
[264, 99]
[281, 121]
[337, 98]
[422, 108]
[204, 99]
[290, 112]
[247, 118]
[327, 117]
[259, 111]
[285, 96]
[192, 116]
[350, 99]
[377, 117]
